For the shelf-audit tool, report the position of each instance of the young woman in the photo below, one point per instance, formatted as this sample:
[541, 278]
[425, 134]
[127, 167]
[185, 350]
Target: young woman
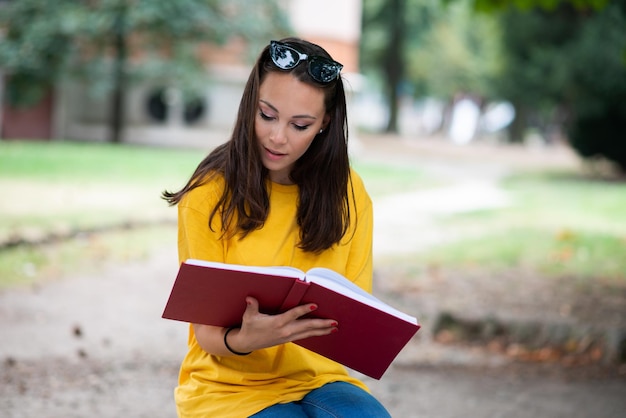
[279, 192]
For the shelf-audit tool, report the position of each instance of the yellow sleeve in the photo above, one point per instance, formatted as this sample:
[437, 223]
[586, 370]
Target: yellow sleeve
[359, 264]
[195, 238]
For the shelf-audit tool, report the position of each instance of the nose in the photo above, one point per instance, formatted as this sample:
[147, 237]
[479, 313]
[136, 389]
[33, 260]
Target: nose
[278, 135]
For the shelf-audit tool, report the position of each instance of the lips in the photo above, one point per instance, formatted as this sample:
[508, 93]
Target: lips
[274, 155]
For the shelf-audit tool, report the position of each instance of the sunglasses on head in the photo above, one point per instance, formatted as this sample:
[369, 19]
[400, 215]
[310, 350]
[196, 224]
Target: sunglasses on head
[321, 69]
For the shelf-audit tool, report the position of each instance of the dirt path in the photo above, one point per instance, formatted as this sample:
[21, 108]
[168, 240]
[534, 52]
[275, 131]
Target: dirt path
[96, 347]
[92, 346]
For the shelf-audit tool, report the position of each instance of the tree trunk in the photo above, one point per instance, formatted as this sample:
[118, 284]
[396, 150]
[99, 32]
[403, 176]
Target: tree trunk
[517, 128]
[394, 60]
[119, 79]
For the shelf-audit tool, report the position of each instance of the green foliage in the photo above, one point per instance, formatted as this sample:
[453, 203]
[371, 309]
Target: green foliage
[448, 49]
[36, 46]
[460, 54]
[569, 65]
[46, 40]
[491, 5]
[537, 71]
[391, 29]
[377, 20]
[599, 87]
[562, 63]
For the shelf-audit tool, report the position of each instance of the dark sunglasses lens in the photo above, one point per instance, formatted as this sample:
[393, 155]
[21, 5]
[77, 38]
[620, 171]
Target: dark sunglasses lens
[284, 57]
[323, 70]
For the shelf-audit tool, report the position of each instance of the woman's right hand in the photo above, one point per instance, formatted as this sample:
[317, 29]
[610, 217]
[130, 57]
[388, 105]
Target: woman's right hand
[260, 330]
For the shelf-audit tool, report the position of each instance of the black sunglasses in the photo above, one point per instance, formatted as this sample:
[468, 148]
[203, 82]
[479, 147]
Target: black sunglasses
[321, 69]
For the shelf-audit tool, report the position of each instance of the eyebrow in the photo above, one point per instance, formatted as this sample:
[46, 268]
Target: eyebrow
[293, 117]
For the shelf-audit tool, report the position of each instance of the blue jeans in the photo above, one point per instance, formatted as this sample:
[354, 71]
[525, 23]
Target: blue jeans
[333, 400]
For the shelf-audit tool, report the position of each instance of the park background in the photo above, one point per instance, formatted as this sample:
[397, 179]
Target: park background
[490, 135]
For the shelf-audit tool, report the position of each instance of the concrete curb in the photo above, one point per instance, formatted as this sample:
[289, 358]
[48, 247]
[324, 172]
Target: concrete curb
[535, 340]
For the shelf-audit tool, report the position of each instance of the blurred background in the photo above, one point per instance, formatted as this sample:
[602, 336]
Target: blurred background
[491, 135]
[519, 71]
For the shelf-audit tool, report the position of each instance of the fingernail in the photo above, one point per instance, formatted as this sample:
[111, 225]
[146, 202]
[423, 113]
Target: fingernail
[334, 330]
[334, 324]
[313, 307]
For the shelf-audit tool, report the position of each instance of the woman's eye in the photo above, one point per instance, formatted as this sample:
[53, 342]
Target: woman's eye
[264, 116]
[301, 127]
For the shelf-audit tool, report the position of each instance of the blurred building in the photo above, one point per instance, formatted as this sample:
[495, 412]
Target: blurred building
[156, 115]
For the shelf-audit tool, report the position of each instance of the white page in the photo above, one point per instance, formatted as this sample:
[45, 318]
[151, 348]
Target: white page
[291, 272]
[334, 281]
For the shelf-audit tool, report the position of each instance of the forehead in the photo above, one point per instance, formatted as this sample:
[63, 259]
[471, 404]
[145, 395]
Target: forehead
[291, 96]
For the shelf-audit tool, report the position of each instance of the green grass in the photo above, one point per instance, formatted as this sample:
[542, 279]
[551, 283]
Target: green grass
[571, 197]
[61, 186]
[560, 224]
[581, 255]
[56, 186]
[385, 179]
[87, 163]
[87, 253]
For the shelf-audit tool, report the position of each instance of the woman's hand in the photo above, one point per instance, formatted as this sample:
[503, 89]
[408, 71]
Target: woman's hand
[259, 330]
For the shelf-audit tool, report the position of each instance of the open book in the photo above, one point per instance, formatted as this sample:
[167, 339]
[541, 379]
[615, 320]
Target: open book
[371, 333]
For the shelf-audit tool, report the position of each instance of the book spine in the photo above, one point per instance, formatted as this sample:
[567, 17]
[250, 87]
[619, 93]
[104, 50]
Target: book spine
[295, 295]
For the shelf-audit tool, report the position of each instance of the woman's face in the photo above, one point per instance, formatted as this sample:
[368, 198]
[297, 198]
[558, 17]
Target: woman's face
[290, 113]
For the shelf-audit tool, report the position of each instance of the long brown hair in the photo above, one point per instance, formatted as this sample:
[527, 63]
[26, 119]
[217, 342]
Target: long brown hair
[321, 174]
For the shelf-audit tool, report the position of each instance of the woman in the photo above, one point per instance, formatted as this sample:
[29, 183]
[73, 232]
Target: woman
[280, 192]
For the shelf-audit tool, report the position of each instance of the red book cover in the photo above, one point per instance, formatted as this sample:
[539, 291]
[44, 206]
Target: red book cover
[371, 333]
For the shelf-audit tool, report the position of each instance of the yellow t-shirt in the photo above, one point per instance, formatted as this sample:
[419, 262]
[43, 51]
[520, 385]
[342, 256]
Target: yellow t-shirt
[239, 386]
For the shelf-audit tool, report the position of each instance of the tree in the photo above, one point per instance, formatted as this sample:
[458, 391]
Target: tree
[598, 87]
[460, 55]
[566, 66]
[113, 43]
[427, 48]
[548, 5]
[389, 28]
[35, 45]
[536, 70]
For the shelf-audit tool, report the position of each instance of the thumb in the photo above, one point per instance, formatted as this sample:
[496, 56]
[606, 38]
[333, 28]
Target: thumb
[252, 306]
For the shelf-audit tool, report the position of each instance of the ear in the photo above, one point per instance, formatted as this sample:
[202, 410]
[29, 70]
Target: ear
[326, 121]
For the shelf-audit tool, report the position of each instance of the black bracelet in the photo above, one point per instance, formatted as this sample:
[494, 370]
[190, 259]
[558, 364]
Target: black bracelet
[228, 346]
